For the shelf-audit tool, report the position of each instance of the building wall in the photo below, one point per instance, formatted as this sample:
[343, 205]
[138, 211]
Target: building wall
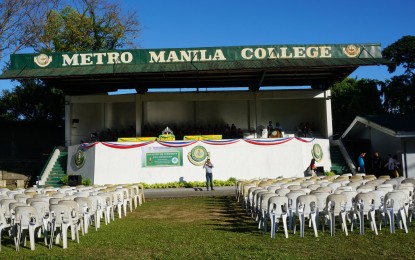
[241, 160]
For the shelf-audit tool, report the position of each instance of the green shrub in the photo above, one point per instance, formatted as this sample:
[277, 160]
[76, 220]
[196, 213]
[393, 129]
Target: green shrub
[191, 184]
[64, 180]
[331, 173]
[86, 182]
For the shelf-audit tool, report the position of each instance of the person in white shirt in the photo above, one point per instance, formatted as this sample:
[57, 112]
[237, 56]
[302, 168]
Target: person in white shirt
[209, 177]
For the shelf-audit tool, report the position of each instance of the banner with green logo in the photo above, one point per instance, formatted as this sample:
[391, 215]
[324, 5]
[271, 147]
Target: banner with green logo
[161, 156]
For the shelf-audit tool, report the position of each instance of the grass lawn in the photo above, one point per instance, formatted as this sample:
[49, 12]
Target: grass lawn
[213, 228]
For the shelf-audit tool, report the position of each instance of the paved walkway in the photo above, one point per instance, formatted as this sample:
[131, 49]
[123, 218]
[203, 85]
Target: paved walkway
[188, 192]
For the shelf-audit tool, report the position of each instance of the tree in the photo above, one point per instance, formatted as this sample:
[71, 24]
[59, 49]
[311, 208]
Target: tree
[94, 25]
[399, 91]
[20, 23]
[32, 101]
[353, 97]
[88, 25]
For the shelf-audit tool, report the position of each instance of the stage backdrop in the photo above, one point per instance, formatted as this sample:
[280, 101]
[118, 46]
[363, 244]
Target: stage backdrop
[162, 162]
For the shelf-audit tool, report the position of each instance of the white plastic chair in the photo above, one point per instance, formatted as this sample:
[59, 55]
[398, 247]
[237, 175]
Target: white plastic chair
[42, 209]
[76, 218]
[263, 209]
[278, 210]
[84, 211]
[365, 206]
[292, 206]
[26, 223]
[336, 206]
[394, 204]
[107, 207]
[62, 217]
[307, 208]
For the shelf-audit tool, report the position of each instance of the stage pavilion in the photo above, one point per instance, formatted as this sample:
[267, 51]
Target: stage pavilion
[155, 115]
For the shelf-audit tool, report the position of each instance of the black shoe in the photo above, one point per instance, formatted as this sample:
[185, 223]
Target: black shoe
[211, 189]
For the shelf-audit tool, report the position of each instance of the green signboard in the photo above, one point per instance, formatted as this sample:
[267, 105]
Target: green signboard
[162, 157]
[192, 55]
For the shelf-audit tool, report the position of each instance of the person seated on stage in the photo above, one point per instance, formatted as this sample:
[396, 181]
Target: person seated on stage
[300, 130]
[270, 128]
[278, 128]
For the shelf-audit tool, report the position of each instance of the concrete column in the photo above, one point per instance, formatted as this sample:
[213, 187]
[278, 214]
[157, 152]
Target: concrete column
[138, 115]
[68, 121]
[329, 119]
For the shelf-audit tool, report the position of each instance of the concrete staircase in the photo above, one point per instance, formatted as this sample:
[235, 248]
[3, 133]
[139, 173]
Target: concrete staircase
[58, 171]
[338, 163]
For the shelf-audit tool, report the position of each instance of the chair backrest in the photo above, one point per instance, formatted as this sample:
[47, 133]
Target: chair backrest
[250, 193]
[294, 187]
[60, 212]
[42, 208]
[277, 203]
[339, 190]
[58, 195]
[27, 214]
[350, 195]
[292, 198]
[365, 200]
[273, 188]
[335, 202]
[264, 200]
[84, 194]
[282, 191]
[313, 186]
[409, 180]
[21, 197]
[385, 186]
[321, 199]
[379, 197]
[325, 189]
[84, 204]
[3, 191]
[334, 185]
[258, 196]
[408, 185]
[399, 199]
[4, 203]
[54, 200]
[306, 202]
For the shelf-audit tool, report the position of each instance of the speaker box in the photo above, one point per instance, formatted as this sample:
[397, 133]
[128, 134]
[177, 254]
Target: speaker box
[74, 180]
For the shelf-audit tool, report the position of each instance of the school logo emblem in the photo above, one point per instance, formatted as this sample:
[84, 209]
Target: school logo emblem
[43, 60]
[351, 51]
[79, 158]
[198, 155]
[317, 152]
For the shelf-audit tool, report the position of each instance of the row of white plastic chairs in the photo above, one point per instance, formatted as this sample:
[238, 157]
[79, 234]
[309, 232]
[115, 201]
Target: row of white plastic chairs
[349, 198]
[49, 212]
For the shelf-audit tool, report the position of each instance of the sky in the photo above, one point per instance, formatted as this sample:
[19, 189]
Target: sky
[214, 23]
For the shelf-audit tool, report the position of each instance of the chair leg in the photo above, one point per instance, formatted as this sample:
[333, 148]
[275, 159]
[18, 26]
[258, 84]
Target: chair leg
[32, 236]
[272, 217]
[344, 223]
[313, 222]
[284, 222]
[403, 219]
[373, 221]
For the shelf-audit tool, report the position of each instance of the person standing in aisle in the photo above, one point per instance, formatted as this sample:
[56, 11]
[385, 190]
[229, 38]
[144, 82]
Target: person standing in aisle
[209, 175]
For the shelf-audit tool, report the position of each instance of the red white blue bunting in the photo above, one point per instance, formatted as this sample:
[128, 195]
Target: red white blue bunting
[268, 141]
[265, 141]
[220, 142]
[116, 145]
[126, 146]
[177, 143]
[305, 140]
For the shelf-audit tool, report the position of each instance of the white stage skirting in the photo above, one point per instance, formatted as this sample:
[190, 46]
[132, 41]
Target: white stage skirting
[162, 162]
